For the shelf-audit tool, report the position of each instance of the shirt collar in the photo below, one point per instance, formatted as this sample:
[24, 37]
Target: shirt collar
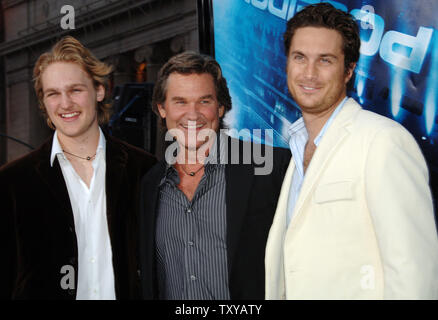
[211, 161]
[329, 122]
[213, 156]
[298, 137]
[298, 127]
[56, 146]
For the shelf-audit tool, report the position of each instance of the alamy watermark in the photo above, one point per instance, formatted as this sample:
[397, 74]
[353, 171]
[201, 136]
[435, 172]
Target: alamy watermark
[199, 146]
[68, 20]
[68, 280]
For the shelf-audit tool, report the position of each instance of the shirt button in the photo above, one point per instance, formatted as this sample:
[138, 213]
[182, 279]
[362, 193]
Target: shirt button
[189, 210]
[93, 260]
[191, 243]
[193, 278]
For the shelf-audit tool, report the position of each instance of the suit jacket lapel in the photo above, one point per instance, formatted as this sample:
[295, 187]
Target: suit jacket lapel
[149, 199]
[274, 260]
[332, 139]
[238, 185]
[54, 179]
[148, 212]
[116, 159]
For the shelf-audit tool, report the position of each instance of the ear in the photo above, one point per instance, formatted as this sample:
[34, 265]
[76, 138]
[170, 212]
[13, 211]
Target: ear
[100, 93]
[349, 73]
[161, 110]
[221, 111]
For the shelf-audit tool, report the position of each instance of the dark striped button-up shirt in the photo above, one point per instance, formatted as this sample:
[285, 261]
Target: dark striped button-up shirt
[191, 238]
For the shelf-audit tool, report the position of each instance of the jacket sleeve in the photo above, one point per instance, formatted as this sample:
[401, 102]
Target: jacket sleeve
[8, 264]
[401, 208]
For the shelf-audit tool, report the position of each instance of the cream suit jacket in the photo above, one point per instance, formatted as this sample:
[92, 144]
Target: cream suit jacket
[363, 225]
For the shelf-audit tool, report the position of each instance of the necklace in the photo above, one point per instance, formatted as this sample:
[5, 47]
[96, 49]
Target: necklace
[86, 158]
[191, 173]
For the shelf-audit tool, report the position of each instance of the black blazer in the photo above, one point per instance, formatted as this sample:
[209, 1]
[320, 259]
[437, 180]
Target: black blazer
[251, 201]
[37, 229]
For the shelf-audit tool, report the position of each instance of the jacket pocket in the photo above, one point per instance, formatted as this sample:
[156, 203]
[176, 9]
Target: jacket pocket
[336, 191]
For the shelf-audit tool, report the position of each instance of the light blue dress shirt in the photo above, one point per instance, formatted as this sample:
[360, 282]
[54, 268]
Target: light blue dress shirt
[297, 141]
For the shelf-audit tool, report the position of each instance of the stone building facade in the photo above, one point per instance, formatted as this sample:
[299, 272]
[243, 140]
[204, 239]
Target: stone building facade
[135, 36]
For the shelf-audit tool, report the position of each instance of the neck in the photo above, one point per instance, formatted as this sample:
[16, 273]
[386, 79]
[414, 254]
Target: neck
[193, 157]
[82, 146]
[314, 122]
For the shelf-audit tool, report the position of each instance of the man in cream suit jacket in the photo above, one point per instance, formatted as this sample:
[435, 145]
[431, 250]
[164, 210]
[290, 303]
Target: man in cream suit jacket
[355, 216]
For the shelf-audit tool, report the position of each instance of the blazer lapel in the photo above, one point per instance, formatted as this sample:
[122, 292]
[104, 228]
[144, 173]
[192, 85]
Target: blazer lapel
[148, 211]
[274, 260]
[332, 139]
[150, 197]
[149, 201]
[52, 176]
[116, 159]
[238, 178]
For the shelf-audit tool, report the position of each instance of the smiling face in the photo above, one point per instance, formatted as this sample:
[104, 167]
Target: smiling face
[70, 99]
[191, 106]
[316, 74]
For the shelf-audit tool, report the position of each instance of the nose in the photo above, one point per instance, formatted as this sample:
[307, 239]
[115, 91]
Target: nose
[311, 71]
[192, 111]
[66, 101]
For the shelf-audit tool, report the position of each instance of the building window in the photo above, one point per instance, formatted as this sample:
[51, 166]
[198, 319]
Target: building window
[141, 74]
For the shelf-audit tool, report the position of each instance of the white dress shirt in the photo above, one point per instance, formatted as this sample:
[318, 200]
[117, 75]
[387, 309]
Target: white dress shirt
[95, 267]
[297, 143]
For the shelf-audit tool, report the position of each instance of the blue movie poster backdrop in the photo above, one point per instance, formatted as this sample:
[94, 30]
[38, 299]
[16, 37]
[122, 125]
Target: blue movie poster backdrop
[397, 74]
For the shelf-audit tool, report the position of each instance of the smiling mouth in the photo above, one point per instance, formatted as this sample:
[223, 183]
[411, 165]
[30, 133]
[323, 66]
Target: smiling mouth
[309, 88]
[69, 115]
[192, 126]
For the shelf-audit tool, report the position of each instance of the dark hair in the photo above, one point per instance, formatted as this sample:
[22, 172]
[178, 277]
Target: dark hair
[326, 16]
[188, 63]
[68, 49]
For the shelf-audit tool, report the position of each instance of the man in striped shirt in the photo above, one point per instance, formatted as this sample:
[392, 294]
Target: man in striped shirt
[205, 211]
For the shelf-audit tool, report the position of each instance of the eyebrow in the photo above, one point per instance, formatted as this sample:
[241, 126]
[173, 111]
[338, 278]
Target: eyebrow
[207, 96]
[329, 55]
[69, 87]
[320, 55]
[177, 98]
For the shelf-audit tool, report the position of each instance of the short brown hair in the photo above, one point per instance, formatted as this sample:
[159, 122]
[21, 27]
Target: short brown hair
[188, 63]
[326, 16]
[68, 49]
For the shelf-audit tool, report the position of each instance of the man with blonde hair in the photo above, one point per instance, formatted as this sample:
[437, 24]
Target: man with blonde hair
[69, 208]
